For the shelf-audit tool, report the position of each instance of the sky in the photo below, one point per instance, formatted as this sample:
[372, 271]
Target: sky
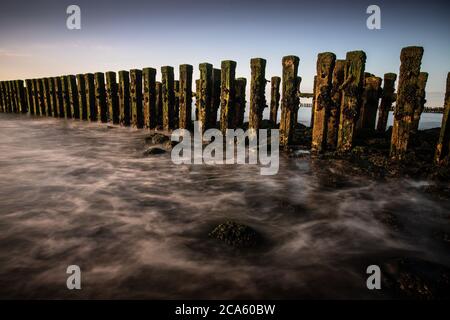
[122, 35]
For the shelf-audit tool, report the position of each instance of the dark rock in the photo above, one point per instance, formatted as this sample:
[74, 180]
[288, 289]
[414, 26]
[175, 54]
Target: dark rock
[154, 151]
[236, 235]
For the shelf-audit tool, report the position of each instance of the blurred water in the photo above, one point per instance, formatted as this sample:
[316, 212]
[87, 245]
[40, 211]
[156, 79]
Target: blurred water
[80, 193]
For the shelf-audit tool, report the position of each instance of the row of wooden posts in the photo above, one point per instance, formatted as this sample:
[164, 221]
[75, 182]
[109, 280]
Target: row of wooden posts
[345, 99]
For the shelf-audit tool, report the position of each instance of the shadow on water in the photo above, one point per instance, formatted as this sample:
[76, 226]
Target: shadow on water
[81, 193]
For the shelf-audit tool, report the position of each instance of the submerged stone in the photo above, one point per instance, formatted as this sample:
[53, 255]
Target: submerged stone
[236, 234]
[154, 151]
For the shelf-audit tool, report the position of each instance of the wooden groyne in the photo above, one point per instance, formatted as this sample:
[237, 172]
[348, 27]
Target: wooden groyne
[346, 100]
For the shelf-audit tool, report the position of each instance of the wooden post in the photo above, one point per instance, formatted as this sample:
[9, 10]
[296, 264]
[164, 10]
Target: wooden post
[205, 99]
[112, 97]
[82, 96]
[323, 102]
[387, 98]
[66, 97]
[311, 123]
[185, 96]
[336, 95]
[257, 92]
[351, 98]
[41, 95]
[14, 96]
[421, 96]
[136, 98]
[6, 96]
[240, 94]
[149, 75]
[100, 97]
[53, 97]
[369, 105]
[407, 100]
[9, 97]
[168, 97]
[442, 155]
[274, 98]
[216, 93]
[47, 99]
[90, 97]
[59, 97]
[289, 99]
[23, 106]
[73, 97]
[176, 109]
[124, 98]
[227, 95]
[197, 98]
[159, 104]
[297, 104]
[2, 101]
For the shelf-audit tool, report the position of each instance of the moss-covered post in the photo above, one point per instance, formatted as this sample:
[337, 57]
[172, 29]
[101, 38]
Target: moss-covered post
[73, 97]
[336, 95]
[274, 98]
[216, 93]
[66, 97]
[89, 82]
[407, 100]
[47, 97]
[124, 98]
[2, 98]
[176, 109]
[41, 97]
[168, 97]
[387, 98]
[227, 95]
[197, 98]
[149, 78]
[323, 102]
[442, 155]
[299, 82]
[53, 103]
[137, 116]
[351, 98]
[159, 104]
[369, 105]
[13, 96]
[205, 99]
[81, 85]
[6, 96]
[257, 92]
[100, 97]
[22, 97]
[240, 94]
[289, 99]
[59, 97]
[10, 98]
[421, 96]
[185, 96]
[112, 97]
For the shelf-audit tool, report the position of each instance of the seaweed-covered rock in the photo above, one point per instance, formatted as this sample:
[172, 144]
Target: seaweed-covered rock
[236, 234]
[154, 151]
[157, 138]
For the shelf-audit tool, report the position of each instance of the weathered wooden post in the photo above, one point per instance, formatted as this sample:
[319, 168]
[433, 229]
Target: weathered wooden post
[90, 96]
[311, 122]
[369, 106]
[185, 96]
[297, 105]
[124, 98]
[289, 99]
[100, 97]
[216, 93]
[6, 96]
[274, 98]
[149, 75]
[205, 99]
[82, 96]
[257, 92]
[53, 103]
[14, 96]
[73, 97]
[176, 109]
[41, 95]
[323, 102]
[136, 98]
[351, 98]
[421, 96]
[9, 96]
[66, 97]
[23, 106]
[112, 97]
[227, 95]
[240, 94]
[197, 98]
[336, 95]
[442, 155]
[407, 100]
[168, 97]
[59, 97]
[159, 104]
[387, 98]
[2, 101]
[47, 99]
